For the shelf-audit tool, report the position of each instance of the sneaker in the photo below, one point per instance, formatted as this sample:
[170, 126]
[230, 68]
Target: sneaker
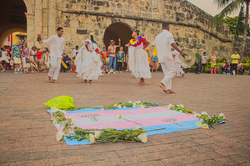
[108, 72]
[120, 71]
[3, 70]
[114, 73]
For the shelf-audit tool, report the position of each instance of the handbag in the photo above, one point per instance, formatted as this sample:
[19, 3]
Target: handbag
[27, 60]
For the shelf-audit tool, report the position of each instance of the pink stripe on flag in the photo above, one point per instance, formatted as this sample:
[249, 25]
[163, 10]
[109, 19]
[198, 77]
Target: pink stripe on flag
[121, 112]
[145, 122]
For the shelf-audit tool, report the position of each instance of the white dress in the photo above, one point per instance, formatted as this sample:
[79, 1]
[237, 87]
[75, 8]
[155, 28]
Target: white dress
[138, 62]
[45, 60]
[88, 64]
[5, 57]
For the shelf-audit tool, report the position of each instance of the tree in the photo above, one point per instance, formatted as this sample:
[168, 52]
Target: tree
[232, 22]
[229, 7]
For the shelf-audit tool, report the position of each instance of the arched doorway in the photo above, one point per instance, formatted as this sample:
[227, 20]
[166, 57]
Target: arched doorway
[12, 18]
[116, 31]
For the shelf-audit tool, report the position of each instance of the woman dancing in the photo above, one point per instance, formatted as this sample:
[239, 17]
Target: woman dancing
[138, 57]
[88, 64]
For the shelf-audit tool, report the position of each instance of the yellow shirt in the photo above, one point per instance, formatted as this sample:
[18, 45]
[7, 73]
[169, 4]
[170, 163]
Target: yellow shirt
[235, 56]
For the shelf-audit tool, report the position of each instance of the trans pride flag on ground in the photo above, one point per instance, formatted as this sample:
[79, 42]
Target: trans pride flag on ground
[150, 118]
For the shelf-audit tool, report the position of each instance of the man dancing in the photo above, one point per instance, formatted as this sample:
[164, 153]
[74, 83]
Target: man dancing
[163, 43]
[112, 54]
[56, 43]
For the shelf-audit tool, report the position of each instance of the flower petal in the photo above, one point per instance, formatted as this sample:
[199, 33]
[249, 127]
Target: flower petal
[199, 124]
[124, 107]
[204, 113]
[130, 101]
[221, 114]
[205, 126]
[138, 127]
[134, 105]
[59, 136]
[119, 106]
[118, 116]
[169, 106]
[54, 109]
[91, 139]
[97, 134]
[143, 137]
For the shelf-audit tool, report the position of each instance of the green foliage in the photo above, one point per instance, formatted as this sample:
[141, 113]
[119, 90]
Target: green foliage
[181, 109]
[232, 22]
[59, 116]
[211, 121]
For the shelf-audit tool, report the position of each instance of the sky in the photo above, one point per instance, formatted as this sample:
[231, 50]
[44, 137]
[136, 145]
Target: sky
[210, 7]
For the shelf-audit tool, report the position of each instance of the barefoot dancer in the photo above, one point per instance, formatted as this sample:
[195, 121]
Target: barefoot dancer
[88, 64]
[56, 43]
[138, 61]
[163, 43]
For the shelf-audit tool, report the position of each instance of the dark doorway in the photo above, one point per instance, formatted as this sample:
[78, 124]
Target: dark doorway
[118, 30]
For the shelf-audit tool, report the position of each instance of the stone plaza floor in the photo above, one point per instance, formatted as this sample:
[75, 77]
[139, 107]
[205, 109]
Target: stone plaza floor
[27, 135]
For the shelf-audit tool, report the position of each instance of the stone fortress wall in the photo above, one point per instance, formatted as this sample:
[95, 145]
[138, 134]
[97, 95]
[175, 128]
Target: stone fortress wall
[113, 19]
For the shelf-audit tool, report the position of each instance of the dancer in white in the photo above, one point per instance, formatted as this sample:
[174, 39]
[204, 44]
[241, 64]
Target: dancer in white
[138, 57]
[163, 43]
[178, 63]
[56, 43]
[88, 64]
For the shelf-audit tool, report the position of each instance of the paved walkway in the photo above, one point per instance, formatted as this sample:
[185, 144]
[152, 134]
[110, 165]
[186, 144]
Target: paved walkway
[28, 136]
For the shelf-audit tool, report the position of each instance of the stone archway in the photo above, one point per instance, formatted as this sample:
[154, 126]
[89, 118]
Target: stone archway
[118, 30]
[12, 18]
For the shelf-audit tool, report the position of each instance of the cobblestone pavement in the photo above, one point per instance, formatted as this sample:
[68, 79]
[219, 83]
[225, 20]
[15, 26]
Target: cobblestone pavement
[28, 136]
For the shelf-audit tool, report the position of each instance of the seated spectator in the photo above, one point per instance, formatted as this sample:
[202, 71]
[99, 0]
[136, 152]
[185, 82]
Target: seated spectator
[4, 58]
[240, 68]
[223, 66]
[67, 61]
[229, 69]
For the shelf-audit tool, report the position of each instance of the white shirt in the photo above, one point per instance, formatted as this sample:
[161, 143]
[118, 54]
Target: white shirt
[163, 43]
[203, 59]
[74, 52]
[56, 46]
[176, 54]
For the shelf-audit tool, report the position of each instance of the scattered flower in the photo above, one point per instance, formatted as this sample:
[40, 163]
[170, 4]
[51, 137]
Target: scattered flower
[91, 139]
[119, 106]
[118, 116]
[143, 137]
[169, 106]
[115, 105]
[130, 101]
[71, 117]
[181, 105]
[124, 107]
[142, 106]
[199, 124]
[138, 102]
[138, 127]
[221, 114]
[102, 109]
[197, 114]
[201, 120]
[134, 105]
[59, 136]
[54, 109]
[97, 134]
[205, 126]
[204, 113]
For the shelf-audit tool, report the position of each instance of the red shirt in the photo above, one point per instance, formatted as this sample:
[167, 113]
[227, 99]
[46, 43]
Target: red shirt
[39, 55]
[104, 56]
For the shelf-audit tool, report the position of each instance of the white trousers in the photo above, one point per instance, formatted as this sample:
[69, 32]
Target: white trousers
[178, 69]
[169, 71]
[55, 68]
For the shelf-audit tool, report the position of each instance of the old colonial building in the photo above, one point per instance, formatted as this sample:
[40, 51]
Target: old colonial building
[113, 19]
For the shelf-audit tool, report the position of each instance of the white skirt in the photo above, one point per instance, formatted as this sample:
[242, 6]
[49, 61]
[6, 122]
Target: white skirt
[139, 63]
[88, 65]
[4, 57]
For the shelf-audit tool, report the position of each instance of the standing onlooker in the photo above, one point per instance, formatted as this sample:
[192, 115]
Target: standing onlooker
[197, 62]
[4, 59]
[204, 60]
[26, 59]
[223, 66]
[213, 63]
[229, 68]
[178, 63]
[120, 59]
[47, 59]
[240, 68]
[112, 54]
[39, 59]
[75, 51]
[15, 52]
[32, 59]
[235, 58]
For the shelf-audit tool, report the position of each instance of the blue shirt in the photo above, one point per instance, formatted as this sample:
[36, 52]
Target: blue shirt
[16, 51]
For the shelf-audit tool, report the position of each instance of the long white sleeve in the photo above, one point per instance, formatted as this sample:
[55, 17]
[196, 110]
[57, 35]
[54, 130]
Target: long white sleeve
[48, 42]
